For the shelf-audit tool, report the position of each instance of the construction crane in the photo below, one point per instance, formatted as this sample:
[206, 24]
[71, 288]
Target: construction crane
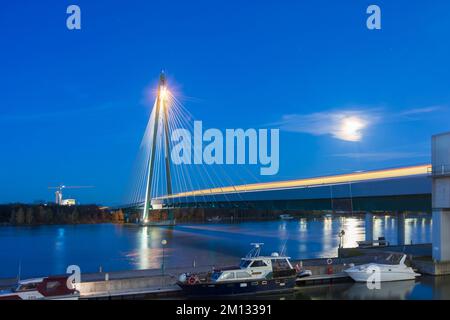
[59, 196]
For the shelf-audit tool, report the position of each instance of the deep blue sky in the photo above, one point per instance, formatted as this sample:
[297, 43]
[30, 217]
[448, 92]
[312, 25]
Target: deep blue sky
[72, 103]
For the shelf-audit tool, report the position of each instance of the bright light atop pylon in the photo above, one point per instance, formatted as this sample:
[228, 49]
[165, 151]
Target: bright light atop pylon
[163, 93]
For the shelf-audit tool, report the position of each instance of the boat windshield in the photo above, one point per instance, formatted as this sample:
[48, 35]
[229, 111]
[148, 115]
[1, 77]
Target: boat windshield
[215, 275]
[26, 286]
[244, 263]
[393, 258]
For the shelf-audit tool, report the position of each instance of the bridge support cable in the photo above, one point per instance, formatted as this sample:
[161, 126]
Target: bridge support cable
[212, 178]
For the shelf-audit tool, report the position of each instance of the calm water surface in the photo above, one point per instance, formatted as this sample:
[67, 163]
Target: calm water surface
[50, 249]
[425, 288]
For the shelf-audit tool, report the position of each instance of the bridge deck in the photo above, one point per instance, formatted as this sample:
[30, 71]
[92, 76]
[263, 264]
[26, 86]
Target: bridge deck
[407, 188]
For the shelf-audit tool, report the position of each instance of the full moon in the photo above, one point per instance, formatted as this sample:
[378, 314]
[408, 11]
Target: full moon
[350, 128]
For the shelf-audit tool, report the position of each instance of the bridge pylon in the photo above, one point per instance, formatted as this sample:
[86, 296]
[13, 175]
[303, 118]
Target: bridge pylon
[161, 113]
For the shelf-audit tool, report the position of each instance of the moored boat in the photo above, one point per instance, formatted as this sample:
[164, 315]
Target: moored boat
[214, 219]
[47, 288]
[255, 274]
[393, 269]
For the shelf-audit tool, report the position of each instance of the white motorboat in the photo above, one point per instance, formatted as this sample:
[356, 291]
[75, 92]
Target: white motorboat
[393, 269]
[286, 217]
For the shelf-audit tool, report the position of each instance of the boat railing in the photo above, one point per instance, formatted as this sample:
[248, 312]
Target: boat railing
[255, 251]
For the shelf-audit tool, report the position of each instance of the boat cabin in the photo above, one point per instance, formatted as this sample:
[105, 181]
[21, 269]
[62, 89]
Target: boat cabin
[256, 268]
[46, 286]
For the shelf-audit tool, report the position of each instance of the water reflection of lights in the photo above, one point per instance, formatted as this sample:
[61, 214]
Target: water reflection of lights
[418, 228]
[409, 224]
[327, 224]
[328, 238]
[378, 227]
[424, 229]
[60, 250]
[302, 247]
[137, 248]
[283, 229]
[303, 224]
[60, 239]
[143, 248]
[352, 235]
[149, 254]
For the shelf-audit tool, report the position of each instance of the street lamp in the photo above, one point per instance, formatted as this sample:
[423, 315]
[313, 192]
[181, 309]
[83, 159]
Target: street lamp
[163, 242]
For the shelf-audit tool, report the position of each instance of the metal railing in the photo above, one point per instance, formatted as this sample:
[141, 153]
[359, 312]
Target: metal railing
[439, 170]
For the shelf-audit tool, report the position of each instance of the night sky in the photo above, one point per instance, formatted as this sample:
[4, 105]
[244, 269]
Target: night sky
[74, 104]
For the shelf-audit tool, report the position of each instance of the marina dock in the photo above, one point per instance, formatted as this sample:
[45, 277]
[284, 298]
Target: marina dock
[141, 284]
[161, 284]
[151, 284]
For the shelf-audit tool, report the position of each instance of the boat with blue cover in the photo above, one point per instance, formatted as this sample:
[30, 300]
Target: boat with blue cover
[255, 274]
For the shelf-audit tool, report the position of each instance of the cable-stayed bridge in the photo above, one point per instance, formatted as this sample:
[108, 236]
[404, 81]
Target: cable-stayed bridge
[162, 187]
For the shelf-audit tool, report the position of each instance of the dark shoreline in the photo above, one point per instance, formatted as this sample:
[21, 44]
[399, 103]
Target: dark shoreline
[18, 214]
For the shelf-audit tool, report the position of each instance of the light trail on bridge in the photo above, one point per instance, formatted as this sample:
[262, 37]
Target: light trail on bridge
[311, 182]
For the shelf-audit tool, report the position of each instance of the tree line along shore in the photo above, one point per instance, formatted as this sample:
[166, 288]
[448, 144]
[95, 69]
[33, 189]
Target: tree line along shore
[39, 214]
[25, 214]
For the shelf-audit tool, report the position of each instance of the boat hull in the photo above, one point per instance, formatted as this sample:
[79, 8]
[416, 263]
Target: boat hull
[34, 295]
[386, 273]
[393, 276]
[238, 287]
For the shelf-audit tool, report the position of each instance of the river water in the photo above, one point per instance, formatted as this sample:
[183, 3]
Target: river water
[45, 250]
